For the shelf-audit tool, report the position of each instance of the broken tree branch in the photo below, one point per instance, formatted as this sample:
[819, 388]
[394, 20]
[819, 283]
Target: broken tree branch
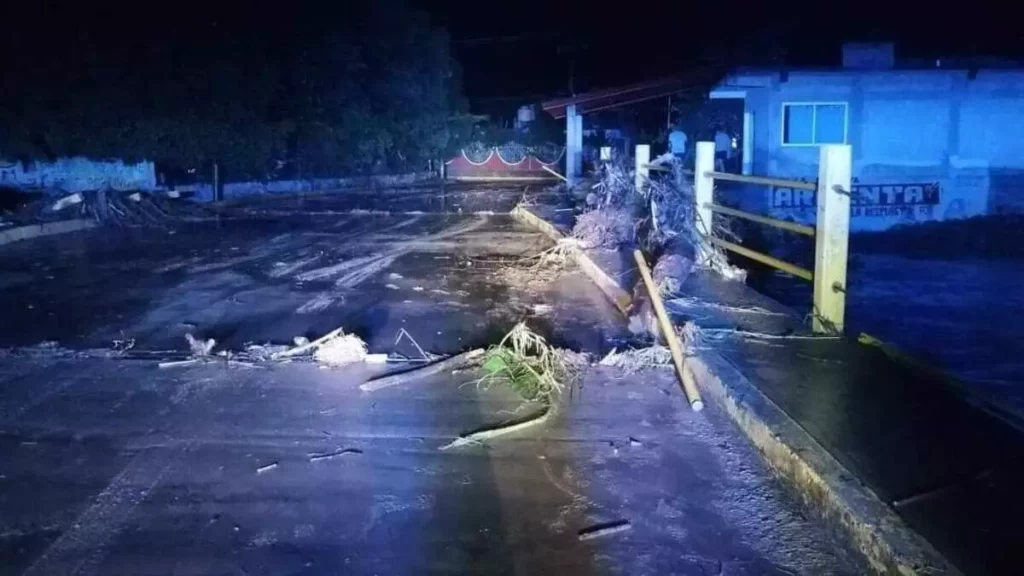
[307, 347]
[422, 371]
[488, 433]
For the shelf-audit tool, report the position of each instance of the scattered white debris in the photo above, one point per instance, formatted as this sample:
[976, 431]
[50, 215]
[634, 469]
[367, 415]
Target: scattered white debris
[263, 352]
[341, 350]
[417, 288]
[266, 468]
[395, 276]
[636, 360]
[391, 287]
[541, 309]
[200, 347]
[66, 201]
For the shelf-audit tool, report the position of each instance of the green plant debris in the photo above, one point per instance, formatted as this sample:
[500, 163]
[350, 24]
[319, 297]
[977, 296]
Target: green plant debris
[525, 362]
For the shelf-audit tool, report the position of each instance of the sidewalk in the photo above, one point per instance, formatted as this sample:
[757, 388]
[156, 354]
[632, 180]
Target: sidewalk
[949, 469]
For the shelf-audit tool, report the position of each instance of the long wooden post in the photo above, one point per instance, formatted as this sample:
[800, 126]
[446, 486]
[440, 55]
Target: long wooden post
[216, 183]
[832, 238]
[703, 191]
[684, 372]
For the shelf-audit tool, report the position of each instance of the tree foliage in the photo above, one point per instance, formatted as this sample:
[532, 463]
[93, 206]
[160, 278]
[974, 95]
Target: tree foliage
[355, 88]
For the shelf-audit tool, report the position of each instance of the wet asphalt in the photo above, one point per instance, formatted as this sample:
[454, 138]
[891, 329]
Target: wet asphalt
[110, 465]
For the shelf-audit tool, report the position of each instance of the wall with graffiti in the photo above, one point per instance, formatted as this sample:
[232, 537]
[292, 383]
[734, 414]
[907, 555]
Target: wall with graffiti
[510, 161]
[76, 175]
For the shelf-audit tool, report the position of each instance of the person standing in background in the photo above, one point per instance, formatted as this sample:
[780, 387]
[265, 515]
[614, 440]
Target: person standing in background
[723, 148]
[677, 143]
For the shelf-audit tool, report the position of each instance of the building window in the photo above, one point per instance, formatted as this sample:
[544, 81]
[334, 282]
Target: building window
[814, 123]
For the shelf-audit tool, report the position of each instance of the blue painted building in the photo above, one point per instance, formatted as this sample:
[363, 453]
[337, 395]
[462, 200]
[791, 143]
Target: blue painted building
[927, 143]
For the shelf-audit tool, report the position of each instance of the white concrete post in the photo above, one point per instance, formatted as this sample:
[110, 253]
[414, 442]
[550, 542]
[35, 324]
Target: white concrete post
[642, 172]
[578, 134]
[748, 142]
[832, 237]
[573, 144]
[703, 192]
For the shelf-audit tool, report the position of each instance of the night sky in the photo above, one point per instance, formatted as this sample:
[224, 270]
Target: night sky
[518, 50]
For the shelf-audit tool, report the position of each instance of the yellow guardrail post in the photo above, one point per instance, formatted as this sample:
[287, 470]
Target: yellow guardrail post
[832, 238]
[703, 191]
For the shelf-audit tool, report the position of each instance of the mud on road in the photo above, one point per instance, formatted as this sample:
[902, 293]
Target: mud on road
[114, 466]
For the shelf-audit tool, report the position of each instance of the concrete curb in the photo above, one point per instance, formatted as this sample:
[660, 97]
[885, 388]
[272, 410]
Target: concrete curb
[619, 297]
[8, 235]
[822, 483]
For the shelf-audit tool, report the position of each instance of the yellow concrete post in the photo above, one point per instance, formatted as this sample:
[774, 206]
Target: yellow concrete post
[703, 190]
[832, 238]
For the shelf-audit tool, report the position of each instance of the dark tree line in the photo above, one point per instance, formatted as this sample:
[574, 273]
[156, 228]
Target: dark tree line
[260, 88]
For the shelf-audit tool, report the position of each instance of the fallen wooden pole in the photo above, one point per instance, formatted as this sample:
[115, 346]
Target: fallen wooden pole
[685, 375]
[556, 174]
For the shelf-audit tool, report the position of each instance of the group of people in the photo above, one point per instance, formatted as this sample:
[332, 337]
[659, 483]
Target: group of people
[725, 147]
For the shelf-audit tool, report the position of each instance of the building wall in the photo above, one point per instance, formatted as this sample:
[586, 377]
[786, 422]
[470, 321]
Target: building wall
[77, 174]
[927, 144]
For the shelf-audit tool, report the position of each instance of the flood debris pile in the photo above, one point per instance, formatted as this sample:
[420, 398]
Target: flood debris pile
[334, 349]
[112, 207]
[671, 271]
[660, 217]
[606, 228]
[341, 350]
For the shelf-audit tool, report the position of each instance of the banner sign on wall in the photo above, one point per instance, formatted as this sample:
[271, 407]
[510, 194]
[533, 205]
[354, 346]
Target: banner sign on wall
[869, 200]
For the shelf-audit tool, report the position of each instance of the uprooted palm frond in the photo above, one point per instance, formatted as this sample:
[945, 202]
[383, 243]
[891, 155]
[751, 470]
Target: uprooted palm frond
[525, 362]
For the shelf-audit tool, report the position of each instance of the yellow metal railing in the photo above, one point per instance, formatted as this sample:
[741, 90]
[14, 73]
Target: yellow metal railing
[830, 232]
[783, 224]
